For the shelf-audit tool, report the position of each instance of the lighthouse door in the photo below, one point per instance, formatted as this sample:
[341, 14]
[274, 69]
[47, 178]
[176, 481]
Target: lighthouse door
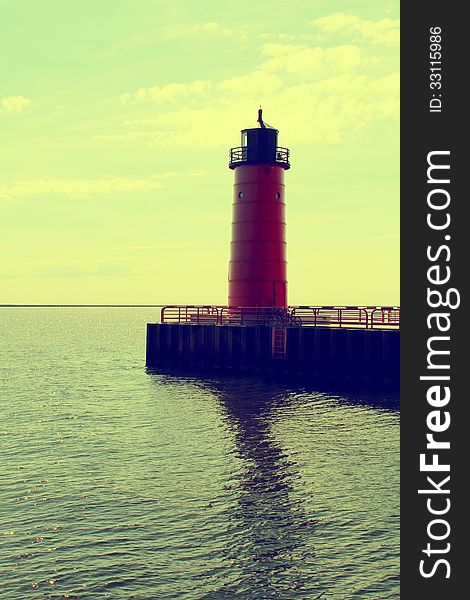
[279, 293]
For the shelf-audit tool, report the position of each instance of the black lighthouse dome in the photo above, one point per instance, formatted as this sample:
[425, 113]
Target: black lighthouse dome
[259, 147]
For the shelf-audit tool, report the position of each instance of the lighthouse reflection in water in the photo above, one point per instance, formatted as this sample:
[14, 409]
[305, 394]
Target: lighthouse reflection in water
[307, 505]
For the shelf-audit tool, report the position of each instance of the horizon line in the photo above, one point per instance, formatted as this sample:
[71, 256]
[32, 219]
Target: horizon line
[82, 305]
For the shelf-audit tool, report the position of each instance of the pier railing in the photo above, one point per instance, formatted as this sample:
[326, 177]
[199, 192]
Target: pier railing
[361, 317]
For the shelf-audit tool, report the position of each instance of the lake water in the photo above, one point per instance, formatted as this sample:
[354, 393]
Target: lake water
[119, 483]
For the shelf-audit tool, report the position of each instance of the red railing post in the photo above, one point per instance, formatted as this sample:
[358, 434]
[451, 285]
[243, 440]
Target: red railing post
[367, 316]
[372, 318]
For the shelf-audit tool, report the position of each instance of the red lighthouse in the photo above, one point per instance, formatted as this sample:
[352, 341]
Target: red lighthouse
[257, 269]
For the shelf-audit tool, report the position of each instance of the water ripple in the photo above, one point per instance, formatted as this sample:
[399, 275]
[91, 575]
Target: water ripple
[120, 483]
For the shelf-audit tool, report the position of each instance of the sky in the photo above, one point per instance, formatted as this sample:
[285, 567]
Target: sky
[116, 118]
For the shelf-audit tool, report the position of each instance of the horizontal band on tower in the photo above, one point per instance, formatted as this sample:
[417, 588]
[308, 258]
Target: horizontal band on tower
[257, 240]
[251, 279]
[258, 201]
[260, 221]
[268, 260]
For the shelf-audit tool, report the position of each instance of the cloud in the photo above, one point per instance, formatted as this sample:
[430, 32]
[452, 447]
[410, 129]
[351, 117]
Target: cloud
[318, 94]
[286, 37]
[89, 188]
[206, 28]
[76, 188]
[313, 61]
[384, 31]
[168, 93]
[14, 104]
[256, 83]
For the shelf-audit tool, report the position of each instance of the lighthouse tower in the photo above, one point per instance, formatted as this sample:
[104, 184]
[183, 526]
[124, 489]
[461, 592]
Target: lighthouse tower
[257, 269]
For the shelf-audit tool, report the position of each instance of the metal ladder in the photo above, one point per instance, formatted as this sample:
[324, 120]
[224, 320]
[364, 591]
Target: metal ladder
[279, 340]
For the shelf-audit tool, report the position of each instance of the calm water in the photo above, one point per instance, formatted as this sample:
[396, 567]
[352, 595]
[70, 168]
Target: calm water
[118, 483]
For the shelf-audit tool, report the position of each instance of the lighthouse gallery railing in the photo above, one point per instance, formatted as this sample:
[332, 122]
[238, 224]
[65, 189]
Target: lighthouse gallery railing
[362, 317]
[254, 154]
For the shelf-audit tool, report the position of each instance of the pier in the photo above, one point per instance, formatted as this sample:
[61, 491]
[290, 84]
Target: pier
[335, 344]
